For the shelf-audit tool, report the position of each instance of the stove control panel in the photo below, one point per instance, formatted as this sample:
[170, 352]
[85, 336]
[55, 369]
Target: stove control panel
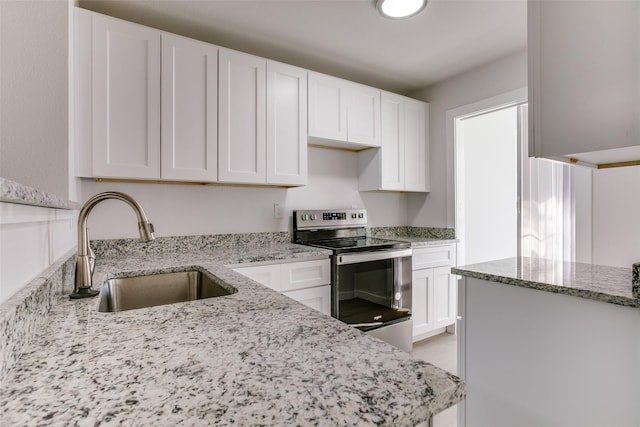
[310, 219]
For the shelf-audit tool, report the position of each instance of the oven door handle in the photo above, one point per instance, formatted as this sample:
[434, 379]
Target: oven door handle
[355, 258]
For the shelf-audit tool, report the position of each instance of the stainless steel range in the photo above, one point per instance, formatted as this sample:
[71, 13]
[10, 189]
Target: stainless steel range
[370, 277]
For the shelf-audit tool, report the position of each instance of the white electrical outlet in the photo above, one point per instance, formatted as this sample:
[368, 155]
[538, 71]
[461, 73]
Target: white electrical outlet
[277, 211]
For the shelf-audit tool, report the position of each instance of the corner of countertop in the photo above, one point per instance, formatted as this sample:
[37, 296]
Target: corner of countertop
[636, 280]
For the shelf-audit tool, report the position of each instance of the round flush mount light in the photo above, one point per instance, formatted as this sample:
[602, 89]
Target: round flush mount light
[400, 9]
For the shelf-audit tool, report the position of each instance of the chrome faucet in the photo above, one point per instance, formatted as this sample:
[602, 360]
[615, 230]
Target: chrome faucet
[85, 261]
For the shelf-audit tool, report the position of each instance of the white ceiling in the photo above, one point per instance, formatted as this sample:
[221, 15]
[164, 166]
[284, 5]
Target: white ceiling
[346, 38]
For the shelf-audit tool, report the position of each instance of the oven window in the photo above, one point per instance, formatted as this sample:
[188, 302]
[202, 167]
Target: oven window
[371, 293]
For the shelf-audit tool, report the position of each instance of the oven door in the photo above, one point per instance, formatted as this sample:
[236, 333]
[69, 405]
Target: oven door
[372, 289]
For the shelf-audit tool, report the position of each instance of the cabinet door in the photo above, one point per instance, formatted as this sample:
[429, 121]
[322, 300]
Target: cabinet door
[242, 118]
[306, 274]
[415, 143]
[268, 275]
[318, 298]
[422, 302]
[444, 297]
[327, 107]
[584, 78]
[286, 124]
[126, 99]
[392, 142]
[189, 109]
[363, 115]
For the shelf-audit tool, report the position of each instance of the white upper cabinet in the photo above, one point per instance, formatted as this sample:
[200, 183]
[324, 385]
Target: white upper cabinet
[126, 99]
[327, 108]
[400, 164]
[262, 121]
[363, 115]
[286, 124]
[392, 150]
[242, 117]
[416, 159]
[189, 109]
[343, 114]
[146, 102]
[584, 80]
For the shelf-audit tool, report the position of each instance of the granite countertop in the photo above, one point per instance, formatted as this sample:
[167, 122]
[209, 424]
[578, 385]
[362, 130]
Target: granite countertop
[595, 282]
[419, 237]
[253, 357]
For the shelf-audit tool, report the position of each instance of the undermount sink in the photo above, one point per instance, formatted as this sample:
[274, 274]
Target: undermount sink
[128, 293]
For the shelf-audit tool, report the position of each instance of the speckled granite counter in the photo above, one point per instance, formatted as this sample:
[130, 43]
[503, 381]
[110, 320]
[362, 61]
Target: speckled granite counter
[596, 282]
[419, 237]
[254, 357]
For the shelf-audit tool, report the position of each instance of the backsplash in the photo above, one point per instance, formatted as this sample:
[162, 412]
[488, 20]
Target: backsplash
[409, 231]
[136, 247]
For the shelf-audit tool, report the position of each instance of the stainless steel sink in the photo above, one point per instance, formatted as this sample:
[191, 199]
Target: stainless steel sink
[128, 293]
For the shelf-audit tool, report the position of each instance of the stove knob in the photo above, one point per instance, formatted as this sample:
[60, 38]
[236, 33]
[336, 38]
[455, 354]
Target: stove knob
[354, 215]
[305, 217]
[314, 217]
[360, 215]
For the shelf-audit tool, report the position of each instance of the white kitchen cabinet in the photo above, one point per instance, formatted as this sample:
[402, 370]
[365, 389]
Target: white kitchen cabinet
[318, 298]
[584, 80]
[189, 109]
[327, 108]
[342, 113]
[308, 282]
[400, 164]
[242, 117]
[286, 124]
[422, 303]
[268, 275]
[433, 290]
[416, 159]
[120, 110]
[146, 104]
[262, 121]
[363, 115]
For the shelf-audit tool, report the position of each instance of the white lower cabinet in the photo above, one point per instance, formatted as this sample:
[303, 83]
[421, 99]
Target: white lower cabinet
[318, 298]
[433, 290]
[308, 282]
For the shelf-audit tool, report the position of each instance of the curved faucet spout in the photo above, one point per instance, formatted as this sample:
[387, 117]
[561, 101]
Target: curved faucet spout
[86, 259]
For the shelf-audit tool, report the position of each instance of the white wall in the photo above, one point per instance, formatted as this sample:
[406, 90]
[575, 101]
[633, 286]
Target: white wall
[34, 128]
[191, 210]
[31, 239]
[616, 216]
[497, 77]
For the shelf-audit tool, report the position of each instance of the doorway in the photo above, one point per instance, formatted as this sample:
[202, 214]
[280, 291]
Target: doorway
[505, 203]
[485, 140]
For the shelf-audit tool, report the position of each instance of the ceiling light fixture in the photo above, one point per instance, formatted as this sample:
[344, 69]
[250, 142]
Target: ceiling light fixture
[400, 9]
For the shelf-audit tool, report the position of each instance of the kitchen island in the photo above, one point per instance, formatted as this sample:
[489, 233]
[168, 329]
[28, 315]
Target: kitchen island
[545, 343]
[255, 357]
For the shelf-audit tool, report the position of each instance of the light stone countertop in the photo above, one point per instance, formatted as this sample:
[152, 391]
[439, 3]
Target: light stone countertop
[255, 357]
[423, 242]
[419, 237]
[595, 282]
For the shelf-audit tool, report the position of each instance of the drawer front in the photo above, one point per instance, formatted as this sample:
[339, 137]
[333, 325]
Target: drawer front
[436, 256]
[301, 275]
[318, 298]
[268, 275]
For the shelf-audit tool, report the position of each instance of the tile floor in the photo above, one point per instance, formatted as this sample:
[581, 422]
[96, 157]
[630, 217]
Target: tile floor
[440, 351]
